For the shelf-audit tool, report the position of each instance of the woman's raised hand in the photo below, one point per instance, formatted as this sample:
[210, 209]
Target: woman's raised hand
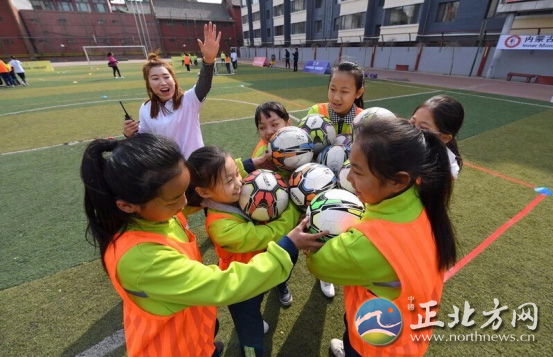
[210, 46]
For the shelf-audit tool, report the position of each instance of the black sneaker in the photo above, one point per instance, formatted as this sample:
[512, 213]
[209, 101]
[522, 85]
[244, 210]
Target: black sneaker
[284, 295]
[219, 347]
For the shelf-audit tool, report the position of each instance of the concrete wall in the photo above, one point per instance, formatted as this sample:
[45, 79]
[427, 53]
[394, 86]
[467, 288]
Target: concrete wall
[438, 60]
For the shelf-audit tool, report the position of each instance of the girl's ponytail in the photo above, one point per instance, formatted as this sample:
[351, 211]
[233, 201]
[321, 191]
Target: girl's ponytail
[131, 170]
[452, 145]
[435, 192]
[104, 218]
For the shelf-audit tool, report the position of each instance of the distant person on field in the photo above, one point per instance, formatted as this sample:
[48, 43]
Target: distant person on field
[273, 60]
[234, 59]
[18, 68]
[296, 55]
[195, 59]
[5, 73]
[287, 58]
[112, 62]
[170, 111]
[227, 64]
[187, 61]
[223, 56]
[12, 75]
[443, 116]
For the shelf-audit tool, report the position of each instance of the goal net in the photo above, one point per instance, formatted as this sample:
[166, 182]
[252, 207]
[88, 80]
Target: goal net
[121, 53]
[221, 69]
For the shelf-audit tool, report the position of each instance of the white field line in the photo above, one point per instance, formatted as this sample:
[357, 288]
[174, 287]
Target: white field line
[108, 344]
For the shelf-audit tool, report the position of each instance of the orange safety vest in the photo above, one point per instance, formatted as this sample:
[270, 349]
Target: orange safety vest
[227, 59]
[186, 60]
[3, 67]
[411, 250]
[323, 109]
[189, 332]
[226, 257]
[260, 145]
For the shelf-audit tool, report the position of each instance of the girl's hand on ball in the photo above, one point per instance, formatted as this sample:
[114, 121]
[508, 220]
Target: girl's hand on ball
[264, 162]
[306, 241]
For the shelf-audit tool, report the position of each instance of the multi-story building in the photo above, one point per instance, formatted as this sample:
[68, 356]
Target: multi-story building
[50, 29]
[358, 22]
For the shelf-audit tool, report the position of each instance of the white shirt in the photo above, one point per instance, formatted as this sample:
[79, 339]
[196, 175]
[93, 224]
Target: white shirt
[16, 66]
[453, 163]
[233, 56]
[182, 125]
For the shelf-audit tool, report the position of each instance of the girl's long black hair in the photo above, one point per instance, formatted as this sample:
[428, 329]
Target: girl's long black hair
[206, 165]
[132, 170]
[392, 146]
[448, 116]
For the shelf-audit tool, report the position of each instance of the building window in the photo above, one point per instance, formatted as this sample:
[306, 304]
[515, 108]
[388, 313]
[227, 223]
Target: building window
[246, 34]
[279, 30]
[447, 11]
[278, 10]
[244, 3]
[298, 28]
[269, 32]
[318, 26]
[336, 25]
[404, 15]
[245, 19]
[318, 4]
[268, 14]
[353, 21]
[257, 33]
[297, 5]
[256, 16]
[65, 6]
[83, 6]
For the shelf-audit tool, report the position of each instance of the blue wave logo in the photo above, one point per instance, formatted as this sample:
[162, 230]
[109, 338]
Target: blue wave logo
[378, 322]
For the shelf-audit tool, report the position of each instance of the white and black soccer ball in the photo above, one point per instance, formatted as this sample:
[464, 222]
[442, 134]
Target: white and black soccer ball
[342, 177]
[369, 114]
[335, 210]
[290, 147]
[320, 129]
[334, 157]
[264, 195]
[308, 181]
[344, 139]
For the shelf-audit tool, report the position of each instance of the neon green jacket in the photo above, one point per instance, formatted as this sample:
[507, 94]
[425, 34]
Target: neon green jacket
[352, 259]
[241, 236]
[173, 282]
[346, 128]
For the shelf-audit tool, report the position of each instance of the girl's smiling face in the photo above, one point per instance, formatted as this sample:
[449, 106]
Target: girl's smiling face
[342, 92]
[228, 186]
[268, 126]
[161, 82]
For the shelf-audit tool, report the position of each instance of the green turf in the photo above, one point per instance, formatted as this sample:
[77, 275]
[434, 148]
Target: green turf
[58, 301]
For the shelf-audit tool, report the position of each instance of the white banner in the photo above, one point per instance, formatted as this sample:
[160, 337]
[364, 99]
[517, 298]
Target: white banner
[522, 42]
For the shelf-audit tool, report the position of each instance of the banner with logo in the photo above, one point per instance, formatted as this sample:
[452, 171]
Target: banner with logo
[522, 42]
[37, 66]
[260, 62]
[319, 67]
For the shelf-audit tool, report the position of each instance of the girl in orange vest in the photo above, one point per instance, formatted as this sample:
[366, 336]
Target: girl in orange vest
[345, 97]
[444, 116]
[134, 202]
[217, 182]
[402, 246]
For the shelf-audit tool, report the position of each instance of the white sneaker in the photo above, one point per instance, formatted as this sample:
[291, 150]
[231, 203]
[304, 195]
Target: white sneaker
[327, 289]
[121, 77]
[337, 347]
[265, 327]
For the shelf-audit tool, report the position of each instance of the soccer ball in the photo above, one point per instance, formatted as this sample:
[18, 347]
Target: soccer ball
[371, 113]
[335, 210]
[308, 181]
[320, 129]
[342, 177]
[291, 147]
[343, 139]
[334, 157]
[264, 195]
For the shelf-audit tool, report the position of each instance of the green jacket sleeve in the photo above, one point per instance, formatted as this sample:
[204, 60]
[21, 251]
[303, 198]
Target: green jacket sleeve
[313, 110]
[172, 282]
[351, 259]
[241, 169]
[240, 236]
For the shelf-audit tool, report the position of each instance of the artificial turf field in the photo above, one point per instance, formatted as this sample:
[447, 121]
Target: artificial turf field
[57, 300]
